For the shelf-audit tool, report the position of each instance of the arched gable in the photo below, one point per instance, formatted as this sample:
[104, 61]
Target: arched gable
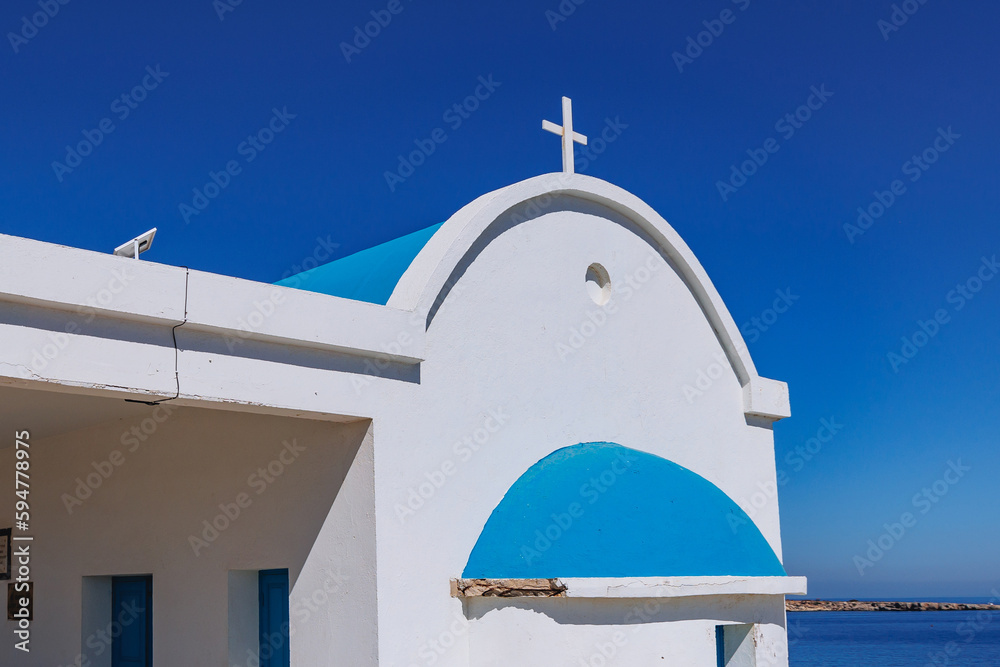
[428, 277]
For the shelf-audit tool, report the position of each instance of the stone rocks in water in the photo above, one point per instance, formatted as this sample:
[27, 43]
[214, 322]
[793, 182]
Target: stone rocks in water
[861, 605]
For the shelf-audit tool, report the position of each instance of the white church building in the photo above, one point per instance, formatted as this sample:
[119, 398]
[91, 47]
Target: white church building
[475, 445]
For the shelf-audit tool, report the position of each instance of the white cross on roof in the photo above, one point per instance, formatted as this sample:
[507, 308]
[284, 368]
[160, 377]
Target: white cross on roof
[566, 132]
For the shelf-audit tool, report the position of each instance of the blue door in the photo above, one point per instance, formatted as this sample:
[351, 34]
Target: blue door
[132, 608]
[273, 590]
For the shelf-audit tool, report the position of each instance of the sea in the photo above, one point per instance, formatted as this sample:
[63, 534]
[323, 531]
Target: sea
[895, 638]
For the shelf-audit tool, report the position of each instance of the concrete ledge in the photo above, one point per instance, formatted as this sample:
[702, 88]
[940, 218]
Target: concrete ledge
[628, 587]
[89, 283]
[77, 286]
[243, 309]
[766, 398]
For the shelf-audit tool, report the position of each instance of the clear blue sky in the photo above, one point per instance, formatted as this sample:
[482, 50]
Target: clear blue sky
[324, 176]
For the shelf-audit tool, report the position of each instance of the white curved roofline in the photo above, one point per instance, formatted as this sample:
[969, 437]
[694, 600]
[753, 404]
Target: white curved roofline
[426, 276]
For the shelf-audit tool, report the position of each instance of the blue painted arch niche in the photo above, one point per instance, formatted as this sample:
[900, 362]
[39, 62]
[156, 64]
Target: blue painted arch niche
[599, 509]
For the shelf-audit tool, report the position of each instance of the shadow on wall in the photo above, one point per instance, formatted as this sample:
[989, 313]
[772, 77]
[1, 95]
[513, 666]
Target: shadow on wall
[206, 485]
[759, 609]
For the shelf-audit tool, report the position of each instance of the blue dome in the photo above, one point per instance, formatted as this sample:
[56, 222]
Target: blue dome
[370, 275]
[602, 510]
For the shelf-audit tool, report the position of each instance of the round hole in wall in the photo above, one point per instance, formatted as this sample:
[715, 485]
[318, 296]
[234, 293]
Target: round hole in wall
[598, 284]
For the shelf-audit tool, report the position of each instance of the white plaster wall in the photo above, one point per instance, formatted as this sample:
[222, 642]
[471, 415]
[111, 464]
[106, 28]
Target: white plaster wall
[104, 324]
[315, 518]
[493, 346]
[333, 607]
[664, 632]
[491, 356]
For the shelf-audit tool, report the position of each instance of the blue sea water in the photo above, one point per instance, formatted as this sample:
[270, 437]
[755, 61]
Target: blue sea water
[894, 639]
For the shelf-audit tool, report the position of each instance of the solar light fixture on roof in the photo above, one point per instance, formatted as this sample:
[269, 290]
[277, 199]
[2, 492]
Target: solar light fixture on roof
[137, 245]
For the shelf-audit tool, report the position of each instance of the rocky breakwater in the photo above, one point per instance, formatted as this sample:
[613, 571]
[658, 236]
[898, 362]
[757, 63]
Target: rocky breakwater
[864, 605]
